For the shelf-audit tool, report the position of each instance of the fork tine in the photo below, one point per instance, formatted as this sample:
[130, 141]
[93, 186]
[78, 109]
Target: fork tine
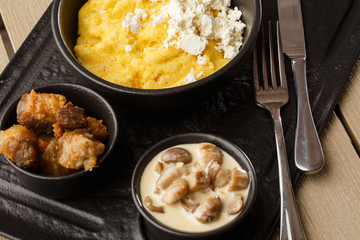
[263, 50]
[271, 57]
[282, 73]
[255, 70]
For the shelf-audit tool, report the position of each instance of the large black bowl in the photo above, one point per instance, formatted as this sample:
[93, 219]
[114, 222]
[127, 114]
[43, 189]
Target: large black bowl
[153, 229]
[64, 21]
[82, 181]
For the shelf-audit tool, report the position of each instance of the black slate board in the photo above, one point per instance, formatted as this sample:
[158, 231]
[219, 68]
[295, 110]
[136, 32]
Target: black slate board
[332, 30]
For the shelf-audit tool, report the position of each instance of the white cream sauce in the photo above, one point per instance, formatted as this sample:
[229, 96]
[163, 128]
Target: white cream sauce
[175, 216]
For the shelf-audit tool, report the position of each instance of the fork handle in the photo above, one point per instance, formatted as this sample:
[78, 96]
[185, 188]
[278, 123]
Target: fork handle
[290, 222]
[309, 156]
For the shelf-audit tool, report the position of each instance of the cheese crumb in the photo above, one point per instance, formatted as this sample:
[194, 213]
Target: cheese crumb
[132, 21]
[141, 13]
[201, 60]
[200, 75]
[102, 11]
[190, 78]
[159, 19]
[128, 48]
[192, 43]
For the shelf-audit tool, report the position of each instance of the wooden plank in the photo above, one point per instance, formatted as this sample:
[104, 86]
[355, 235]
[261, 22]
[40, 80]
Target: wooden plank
[350, 106]
[3, 56]
[20, 20]
[328, 201]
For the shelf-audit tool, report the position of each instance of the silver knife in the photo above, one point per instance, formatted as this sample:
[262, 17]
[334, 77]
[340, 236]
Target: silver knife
[309, 156]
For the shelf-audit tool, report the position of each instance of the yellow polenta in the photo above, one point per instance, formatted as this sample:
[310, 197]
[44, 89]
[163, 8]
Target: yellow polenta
[100, 47]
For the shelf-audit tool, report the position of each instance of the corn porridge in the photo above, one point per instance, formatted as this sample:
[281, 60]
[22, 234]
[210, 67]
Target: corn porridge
[154, 44]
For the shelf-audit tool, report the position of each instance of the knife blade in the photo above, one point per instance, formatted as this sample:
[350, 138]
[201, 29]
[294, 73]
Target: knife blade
[309, 156]
[291, 28]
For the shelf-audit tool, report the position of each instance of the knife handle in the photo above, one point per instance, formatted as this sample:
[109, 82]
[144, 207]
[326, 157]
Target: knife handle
[309, 156]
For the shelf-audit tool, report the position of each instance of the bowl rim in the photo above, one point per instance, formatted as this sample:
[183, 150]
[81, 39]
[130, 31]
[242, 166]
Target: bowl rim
[245, 48]
[164, 144]
[82, 171]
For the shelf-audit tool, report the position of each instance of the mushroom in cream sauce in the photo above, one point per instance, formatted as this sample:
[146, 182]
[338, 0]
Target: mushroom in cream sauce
[198, 180]
[149, 205]
[170, 174]
[197, 195]
[208, 210]
[176, 191]
[175, 155]
[239, 179]
[210, 152]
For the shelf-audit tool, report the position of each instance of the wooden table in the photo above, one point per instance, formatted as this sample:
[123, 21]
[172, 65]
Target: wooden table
[328, 201]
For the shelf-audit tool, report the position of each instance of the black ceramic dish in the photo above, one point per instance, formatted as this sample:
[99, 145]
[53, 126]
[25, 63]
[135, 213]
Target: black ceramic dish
[82, 181]
[64, 26]
[155, 230]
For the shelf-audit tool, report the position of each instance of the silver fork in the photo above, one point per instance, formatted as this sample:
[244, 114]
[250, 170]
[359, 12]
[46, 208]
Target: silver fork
[272, 96]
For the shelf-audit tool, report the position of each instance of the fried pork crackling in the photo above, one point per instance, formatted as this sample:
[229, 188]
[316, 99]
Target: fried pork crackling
[53, 136]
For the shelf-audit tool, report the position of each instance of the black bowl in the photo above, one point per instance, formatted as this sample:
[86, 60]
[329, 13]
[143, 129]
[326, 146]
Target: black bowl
[64, 21]
[156, 230]
[82, 181]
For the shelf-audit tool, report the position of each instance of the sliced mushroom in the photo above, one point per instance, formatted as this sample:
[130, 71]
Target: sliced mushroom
[209, 210]
[198, 180]
[189, 205]
[210, 152]
[176, 191]
[170, 174]
[218, 176]
[236, 204]
[239, 179]
[175, 155]
[159, 168]
[149, 205]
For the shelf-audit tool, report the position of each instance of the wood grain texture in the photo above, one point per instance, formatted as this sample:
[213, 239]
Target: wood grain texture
[20, 21]
[3, 56]
[350, 106]
[328, 201]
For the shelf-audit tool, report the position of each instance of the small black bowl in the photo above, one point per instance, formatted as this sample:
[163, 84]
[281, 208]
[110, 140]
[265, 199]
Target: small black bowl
[156, 230]
[64, 21]
[82, 181]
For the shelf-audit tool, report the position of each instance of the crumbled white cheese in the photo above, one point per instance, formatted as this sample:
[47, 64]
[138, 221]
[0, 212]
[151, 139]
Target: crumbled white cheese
[192, 43]
[201, 60]
[159, 19]
[128, 48]
[191, 25]
[229, 32]
[132, 23]
[102, 11]
[190, 78]
[206, 25]
[217, 4]
[200, 75]
[141, 13]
